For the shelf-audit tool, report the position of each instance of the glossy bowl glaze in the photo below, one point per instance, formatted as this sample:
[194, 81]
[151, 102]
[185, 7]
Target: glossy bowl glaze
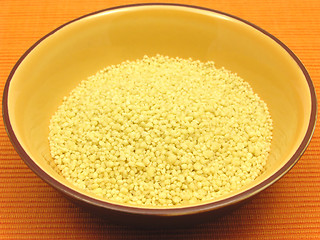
[55, 64]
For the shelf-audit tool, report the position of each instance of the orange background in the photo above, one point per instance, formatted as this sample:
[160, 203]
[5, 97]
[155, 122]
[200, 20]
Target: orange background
[289, 209]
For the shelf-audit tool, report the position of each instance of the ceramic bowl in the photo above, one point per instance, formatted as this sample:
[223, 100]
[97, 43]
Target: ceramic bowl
[56, 63]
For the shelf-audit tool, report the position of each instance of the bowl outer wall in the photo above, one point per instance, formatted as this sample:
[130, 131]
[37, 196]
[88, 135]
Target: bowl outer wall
[200, 210]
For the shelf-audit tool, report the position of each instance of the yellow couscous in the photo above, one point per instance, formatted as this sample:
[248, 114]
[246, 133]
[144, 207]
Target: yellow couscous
[161, 131]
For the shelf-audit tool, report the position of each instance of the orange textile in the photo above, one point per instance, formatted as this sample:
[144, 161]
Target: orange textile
[31, 209]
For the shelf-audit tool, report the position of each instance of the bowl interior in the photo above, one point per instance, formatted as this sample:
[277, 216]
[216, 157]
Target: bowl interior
[78, 50]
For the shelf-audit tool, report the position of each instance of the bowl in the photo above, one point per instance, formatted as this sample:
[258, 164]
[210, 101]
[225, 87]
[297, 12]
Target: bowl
[56, 63]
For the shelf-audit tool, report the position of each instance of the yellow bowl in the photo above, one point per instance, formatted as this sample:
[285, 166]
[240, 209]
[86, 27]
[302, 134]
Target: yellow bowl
[55, 64]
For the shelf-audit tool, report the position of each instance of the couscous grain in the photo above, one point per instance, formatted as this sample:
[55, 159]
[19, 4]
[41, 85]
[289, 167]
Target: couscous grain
[161, 131]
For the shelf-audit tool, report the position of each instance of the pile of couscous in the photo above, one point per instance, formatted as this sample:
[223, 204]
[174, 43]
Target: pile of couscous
[161, 131]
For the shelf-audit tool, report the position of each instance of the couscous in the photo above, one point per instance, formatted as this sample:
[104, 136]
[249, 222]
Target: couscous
[161, 131]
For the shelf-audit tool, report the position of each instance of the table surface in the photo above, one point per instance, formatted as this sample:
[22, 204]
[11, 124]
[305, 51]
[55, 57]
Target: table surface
[289, 209]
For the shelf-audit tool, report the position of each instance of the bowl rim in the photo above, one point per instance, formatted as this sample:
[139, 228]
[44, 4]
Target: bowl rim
[172, 211]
